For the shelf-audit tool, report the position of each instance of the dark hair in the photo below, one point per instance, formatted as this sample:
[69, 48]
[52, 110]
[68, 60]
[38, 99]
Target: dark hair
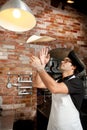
[76, 62]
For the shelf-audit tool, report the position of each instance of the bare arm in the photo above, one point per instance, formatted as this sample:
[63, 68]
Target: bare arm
[51, 84]
[44, 59]
[37, 81]
[47, 80]
[43, 79]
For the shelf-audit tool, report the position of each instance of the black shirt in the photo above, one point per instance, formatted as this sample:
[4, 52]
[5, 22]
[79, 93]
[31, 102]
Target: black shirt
[76, 89]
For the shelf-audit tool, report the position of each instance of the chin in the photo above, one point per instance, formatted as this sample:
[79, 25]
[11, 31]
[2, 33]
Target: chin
[61, 69]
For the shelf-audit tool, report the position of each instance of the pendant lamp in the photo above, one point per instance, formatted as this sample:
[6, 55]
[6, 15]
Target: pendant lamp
[16, 16]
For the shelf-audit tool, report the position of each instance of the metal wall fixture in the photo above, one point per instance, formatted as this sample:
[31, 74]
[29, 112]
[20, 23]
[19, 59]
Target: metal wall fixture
[23, 83]
[16, 16]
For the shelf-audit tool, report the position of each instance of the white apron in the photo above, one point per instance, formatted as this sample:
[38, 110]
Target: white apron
[63, 115]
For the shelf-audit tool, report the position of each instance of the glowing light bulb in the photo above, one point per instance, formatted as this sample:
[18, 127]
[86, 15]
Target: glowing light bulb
[16, 13]
[70, 1]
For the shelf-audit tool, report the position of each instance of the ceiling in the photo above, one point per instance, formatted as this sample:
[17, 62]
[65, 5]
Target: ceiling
[79, 5]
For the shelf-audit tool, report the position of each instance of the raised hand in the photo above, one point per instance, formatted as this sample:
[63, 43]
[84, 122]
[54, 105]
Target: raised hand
[44, 56]
[35, 63]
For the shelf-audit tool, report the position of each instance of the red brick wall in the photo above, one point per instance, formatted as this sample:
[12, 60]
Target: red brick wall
[68, 26]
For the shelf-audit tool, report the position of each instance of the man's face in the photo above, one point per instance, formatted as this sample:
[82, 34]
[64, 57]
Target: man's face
[66, 64]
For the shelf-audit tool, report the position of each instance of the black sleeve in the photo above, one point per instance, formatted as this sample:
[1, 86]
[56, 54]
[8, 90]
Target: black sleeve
[75, 85]
[76, 91]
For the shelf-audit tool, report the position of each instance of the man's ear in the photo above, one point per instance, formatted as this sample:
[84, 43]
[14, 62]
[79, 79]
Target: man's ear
[74, 67]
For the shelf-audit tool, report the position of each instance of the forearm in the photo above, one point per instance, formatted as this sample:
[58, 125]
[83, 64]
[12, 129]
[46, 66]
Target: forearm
[37, 81]
[49, 82]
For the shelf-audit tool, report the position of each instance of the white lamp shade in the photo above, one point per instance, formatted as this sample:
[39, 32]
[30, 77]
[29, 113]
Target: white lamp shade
[16, 16]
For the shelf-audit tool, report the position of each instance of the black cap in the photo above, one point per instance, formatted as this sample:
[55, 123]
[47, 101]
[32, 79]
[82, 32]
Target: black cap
[76, 61]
